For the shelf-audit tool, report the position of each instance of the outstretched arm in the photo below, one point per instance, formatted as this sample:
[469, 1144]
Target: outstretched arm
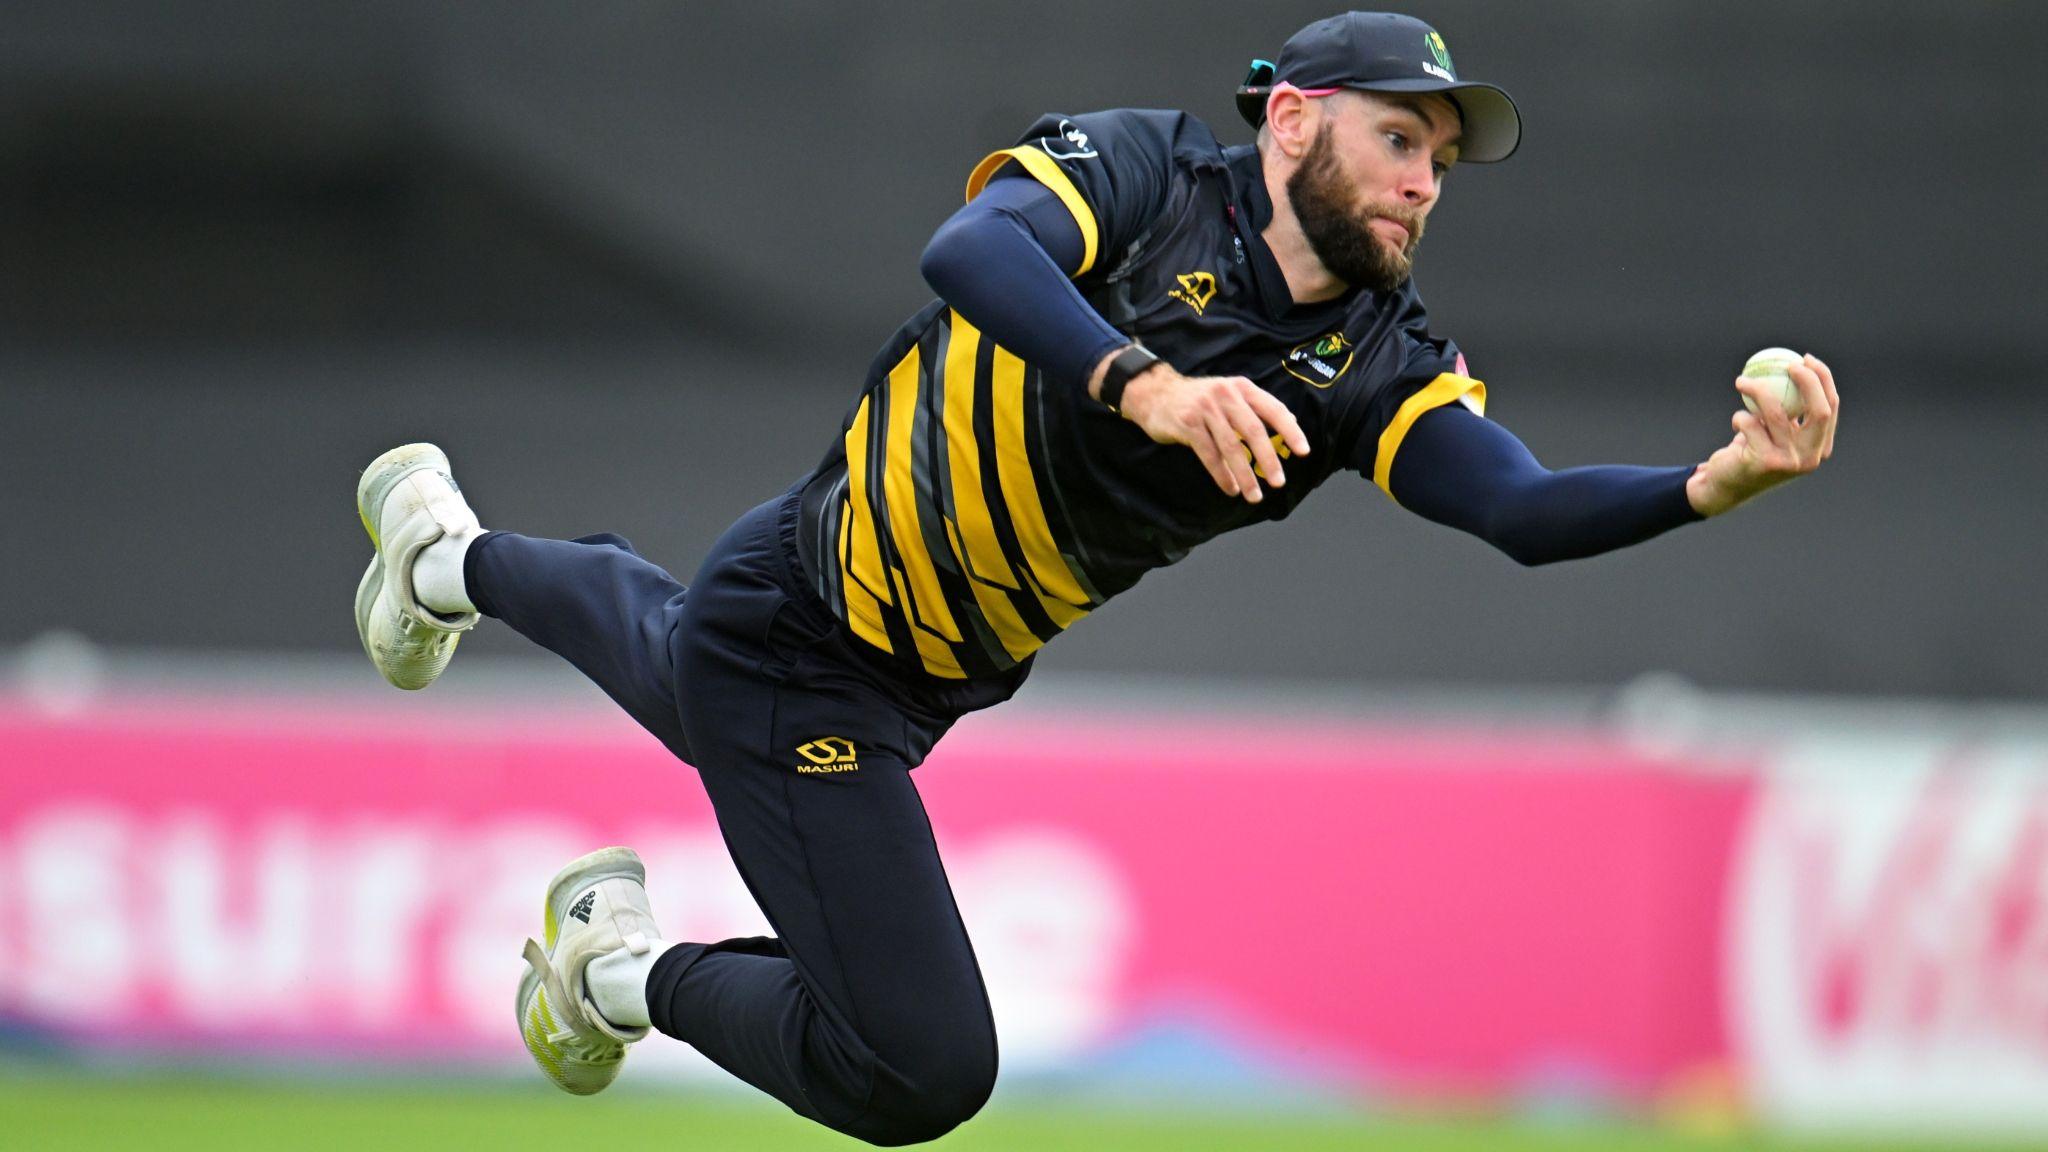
[1460, 469]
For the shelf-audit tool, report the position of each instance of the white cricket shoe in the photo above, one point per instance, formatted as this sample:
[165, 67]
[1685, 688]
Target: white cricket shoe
[407, 500]
[595, 905]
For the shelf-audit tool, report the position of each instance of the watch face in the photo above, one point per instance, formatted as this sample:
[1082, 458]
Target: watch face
[1132, 361]
[1126, 364]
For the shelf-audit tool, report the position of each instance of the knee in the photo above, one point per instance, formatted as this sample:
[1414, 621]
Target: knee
[924, 1099]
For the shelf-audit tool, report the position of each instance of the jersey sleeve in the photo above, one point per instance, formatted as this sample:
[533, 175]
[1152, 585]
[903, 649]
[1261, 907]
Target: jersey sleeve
[1112, 170]
[1430, 373]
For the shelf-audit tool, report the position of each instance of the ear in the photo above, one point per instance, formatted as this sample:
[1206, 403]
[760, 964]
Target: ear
[1293, 120]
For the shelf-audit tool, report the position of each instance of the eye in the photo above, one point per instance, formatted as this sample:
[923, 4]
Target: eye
[1399, 141]
[1439, 167]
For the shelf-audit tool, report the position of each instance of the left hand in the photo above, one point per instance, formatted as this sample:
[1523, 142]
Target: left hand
[1769, 447]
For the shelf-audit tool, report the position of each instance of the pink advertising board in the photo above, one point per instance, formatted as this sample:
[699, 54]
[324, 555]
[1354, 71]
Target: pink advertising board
[1389, 908]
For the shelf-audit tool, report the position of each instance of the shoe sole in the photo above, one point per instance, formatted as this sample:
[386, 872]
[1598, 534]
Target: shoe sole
[366, 598]
[527, 983]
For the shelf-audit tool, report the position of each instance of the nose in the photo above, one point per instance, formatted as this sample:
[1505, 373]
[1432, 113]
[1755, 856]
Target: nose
[1417, 187]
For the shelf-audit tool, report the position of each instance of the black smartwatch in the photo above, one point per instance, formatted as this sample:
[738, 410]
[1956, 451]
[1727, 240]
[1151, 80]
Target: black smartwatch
[1128, 363]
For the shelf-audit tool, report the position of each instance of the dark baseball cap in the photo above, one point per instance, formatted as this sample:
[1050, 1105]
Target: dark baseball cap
[1386, 52]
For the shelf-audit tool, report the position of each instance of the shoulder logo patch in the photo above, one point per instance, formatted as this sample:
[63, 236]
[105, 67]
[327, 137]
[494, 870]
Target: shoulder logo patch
[1073, 144]
[827, 754]
[1196, 290]
[1320, 361]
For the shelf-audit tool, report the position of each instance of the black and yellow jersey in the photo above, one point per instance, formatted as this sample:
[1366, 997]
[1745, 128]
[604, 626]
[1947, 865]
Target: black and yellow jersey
[973, 507]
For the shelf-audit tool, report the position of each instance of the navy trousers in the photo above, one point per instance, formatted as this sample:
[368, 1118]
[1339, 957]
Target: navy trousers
[866, 1011]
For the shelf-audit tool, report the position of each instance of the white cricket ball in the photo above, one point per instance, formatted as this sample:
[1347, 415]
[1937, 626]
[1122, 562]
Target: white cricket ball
[1769, 366]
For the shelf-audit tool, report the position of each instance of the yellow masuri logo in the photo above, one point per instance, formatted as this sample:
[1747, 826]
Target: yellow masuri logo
[1196, 290]
[828, 754]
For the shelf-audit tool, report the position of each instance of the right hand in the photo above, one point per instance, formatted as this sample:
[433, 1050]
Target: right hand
[1770, 446]
[1227, 420]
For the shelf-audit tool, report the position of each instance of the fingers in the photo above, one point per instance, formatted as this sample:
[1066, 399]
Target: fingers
[1819, 411]
[1249, 428]
[1827, 381]
[1230, 424]
[1256, 416]
[1810, 437]
[1827, 378]
[1236, 420]
[1229, 446]
[1275, 415]
[1754, 434]
[1775, 449]
[1205, 450]
[1770, 415]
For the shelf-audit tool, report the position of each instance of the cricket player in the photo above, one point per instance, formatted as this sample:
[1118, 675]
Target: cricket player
[1142, 339]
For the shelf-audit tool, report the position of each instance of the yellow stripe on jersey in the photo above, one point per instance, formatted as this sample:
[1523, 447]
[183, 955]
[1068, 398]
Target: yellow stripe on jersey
[984, 556]
[1012, 633]
[1068, 602]
[974, 534]
[936, 653]
[951, 593]
[1046, 172]
[863, 612]
[899, 491]
[1437, 393]
[864, 557]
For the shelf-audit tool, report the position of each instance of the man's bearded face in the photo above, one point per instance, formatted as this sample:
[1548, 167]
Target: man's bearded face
[1338, 226]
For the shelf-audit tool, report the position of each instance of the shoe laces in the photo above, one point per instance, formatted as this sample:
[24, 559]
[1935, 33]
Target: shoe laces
[575, 1037]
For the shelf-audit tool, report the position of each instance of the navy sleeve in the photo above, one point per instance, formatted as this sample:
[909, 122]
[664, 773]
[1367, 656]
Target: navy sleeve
[1003, 263]
[1460, 469]
[1112, 172]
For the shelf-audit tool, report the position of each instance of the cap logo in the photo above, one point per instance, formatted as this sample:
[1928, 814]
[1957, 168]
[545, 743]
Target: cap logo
[1442, 69]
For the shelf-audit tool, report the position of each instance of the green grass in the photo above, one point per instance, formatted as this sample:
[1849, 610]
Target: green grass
[222, 1115]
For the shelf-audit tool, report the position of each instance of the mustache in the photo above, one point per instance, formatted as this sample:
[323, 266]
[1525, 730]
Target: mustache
[1400, 214]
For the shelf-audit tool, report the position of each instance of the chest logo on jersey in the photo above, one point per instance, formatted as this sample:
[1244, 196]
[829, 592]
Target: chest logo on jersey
[1320, 361]
[1196, 290]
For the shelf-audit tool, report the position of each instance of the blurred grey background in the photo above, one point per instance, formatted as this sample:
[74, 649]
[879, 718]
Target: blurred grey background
[627, 262]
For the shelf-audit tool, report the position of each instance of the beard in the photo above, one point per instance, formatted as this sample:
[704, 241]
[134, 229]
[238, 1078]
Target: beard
[1339, 230]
